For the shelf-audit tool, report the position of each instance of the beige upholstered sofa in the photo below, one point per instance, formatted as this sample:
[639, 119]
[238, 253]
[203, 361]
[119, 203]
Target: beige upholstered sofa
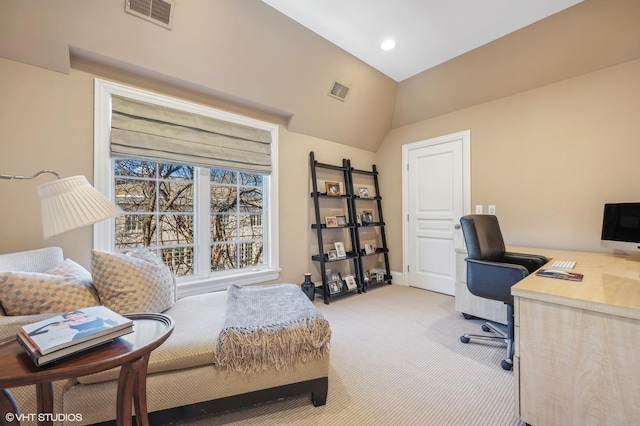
[182, 380]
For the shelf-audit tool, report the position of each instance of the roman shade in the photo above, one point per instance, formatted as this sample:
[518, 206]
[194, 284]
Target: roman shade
[144, 130]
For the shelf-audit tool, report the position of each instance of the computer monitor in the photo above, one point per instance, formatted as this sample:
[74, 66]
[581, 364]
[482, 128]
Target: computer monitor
[621, 226]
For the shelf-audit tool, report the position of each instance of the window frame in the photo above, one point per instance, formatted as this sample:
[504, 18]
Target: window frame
[104, 232]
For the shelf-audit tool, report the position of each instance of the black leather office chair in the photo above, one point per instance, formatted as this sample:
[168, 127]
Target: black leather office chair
[491, 271]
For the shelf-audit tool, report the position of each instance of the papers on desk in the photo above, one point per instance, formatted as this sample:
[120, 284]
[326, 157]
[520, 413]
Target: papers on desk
[561, 275]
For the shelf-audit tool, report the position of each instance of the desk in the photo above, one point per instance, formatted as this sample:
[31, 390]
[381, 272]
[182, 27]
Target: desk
[130, 352]
[577, 349]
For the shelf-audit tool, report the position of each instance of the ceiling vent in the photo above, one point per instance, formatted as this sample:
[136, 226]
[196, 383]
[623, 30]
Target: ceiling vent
[339, 91]
[159, 12]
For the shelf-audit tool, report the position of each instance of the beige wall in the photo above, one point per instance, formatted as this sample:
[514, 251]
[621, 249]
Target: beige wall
[576, 140]
[242, 51]
[547, 158]
[46, 122]
[591, 35]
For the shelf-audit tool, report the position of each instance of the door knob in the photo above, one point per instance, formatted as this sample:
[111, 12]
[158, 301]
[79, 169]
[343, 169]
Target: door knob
[456, 226]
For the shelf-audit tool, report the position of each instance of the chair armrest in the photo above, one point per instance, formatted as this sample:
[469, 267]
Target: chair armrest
[529, 261]
[38, 260]
[493, 280]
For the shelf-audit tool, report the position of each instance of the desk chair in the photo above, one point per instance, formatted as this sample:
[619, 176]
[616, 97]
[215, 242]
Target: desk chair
[491, 271]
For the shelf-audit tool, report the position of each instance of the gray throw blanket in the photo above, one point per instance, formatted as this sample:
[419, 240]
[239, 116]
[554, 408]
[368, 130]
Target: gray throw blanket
[272, 326]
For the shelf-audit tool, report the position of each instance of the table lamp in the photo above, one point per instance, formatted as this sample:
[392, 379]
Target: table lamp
[69, 203]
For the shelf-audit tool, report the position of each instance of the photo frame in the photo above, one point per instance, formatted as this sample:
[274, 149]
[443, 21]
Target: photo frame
[350, 281]
[341, 252]
[335, 287]
[332, 255]
[363, 192]
[369, 248]
[331, 221]
[341, 220]
[367, 216]
[377, 274]
[366, 277]
[333, 189]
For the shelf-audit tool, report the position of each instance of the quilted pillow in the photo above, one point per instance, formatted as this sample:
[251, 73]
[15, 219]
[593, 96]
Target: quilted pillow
[65, 287]
[136, 282]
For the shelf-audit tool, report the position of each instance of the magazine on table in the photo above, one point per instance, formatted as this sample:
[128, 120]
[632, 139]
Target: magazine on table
[71, 328]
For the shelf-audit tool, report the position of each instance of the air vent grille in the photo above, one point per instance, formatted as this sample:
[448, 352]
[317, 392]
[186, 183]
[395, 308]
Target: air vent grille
[159, 12]
[339, 91]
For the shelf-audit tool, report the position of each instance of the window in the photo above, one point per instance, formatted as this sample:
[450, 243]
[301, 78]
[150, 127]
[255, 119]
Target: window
[212, 226]
[158, 211]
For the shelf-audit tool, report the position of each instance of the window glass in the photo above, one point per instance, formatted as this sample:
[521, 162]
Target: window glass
[158, 204]
[233, 195]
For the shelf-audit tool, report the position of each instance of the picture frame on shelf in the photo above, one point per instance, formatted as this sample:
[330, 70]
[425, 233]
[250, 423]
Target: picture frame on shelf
[341, 252]
[341, 220]
[331, 221]
[358, 219]
[363, 192]
[332, 255]
[366, 277]
[369, 248]
[336, 276]
[333, 189]
[367, 216]
[377, 274]
[335, 287]
[350, 281]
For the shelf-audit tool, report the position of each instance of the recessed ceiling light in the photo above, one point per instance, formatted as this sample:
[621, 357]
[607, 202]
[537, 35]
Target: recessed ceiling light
[388, 44]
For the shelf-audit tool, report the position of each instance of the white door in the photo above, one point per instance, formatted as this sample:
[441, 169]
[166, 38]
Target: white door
[436, 194]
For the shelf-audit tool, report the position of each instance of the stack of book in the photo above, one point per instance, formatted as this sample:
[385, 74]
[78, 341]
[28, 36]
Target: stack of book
[63, 335]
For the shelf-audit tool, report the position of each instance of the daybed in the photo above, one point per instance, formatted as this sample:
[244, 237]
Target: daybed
[183, 378]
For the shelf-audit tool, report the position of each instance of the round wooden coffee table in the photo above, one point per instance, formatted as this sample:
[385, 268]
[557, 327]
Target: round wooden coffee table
[130, 352]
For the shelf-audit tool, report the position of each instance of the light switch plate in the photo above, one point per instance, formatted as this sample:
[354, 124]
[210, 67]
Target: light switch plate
[479, 209]
[492, 209]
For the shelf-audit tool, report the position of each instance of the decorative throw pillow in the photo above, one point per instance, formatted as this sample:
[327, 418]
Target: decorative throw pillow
[65, 287]
[138, 282]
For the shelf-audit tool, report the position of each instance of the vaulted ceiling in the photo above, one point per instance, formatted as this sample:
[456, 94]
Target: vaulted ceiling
[426, 32]
[249, 56]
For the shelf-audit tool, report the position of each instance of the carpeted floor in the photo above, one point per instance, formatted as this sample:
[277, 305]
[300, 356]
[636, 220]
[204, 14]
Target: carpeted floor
[397, 359]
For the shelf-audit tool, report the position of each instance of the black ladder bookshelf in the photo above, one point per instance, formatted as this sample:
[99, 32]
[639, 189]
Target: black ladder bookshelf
[376, 221]
[331, 289]
[351, 228]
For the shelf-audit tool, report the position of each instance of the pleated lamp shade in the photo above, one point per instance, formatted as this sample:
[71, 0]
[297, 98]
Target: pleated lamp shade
[71, 203]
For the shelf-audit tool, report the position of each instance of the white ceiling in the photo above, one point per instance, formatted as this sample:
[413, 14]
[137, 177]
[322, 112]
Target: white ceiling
[427, 32]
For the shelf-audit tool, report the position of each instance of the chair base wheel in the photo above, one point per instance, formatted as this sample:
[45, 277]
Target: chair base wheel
[464, 339]
[507, 364]
[467, 316]
[486, 328]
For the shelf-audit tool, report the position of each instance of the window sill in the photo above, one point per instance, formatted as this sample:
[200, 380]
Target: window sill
[222, 282]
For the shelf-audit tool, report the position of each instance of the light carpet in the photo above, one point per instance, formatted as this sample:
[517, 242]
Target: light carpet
[397, 359]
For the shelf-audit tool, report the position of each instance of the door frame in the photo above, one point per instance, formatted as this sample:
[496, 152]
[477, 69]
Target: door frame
[465, 135]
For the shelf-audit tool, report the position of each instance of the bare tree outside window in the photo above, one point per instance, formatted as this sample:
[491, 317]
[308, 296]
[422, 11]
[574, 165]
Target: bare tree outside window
[235, 198]
[158, 204]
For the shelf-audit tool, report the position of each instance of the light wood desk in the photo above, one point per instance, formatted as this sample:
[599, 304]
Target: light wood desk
[577, 356]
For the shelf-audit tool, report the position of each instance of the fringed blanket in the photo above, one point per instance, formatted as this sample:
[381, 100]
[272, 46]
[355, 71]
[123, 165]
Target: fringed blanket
[270, 326]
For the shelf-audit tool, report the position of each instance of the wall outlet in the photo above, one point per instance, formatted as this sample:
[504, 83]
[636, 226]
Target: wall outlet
[479, 209]
[492, 209]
